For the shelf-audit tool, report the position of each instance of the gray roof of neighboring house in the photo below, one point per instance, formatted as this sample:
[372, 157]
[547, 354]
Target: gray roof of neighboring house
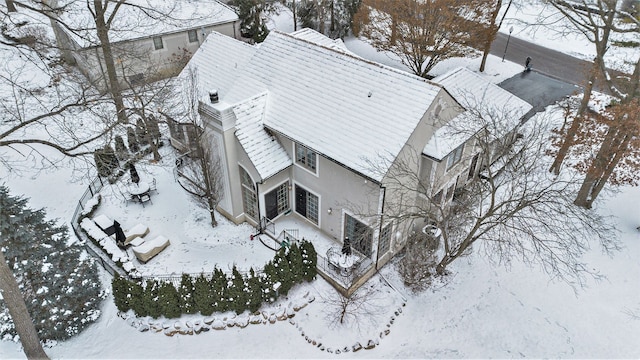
[131, 22]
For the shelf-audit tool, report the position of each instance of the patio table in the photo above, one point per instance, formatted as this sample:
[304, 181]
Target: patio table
[138, 189]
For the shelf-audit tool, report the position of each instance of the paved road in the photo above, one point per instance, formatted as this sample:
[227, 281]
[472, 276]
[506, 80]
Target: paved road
[547, 61]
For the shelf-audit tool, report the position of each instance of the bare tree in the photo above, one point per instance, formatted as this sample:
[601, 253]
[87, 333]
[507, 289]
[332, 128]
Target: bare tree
[355, 311]
[420, 33]
[597, 20]
[513, 209]
[487, 16]
[201, 172]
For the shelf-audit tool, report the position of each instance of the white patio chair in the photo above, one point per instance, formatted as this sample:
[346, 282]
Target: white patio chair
[145, 198]
[152, 186]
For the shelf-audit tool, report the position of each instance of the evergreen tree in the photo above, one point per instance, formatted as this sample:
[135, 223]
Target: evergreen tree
[309, 260]
[150, 299]
[254, 291]
[121, 292]
[294, 257]
[168, 301]
[132, 140]
[141, 132]
[137, 300]
[238, 296]
[283, 272]
[187, 302]
[59, 284]
[121, 149]
[253, 15]
[203, 295]
[269, 278]
[219, 290]
[106, 160]
[153, 128]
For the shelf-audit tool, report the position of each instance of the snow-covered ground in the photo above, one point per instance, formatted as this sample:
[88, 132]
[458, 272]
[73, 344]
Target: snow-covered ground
[483, 310]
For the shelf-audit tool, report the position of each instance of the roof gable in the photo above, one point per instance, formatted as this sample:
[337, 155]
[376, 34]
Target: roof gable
[265, 152]
[487, 99]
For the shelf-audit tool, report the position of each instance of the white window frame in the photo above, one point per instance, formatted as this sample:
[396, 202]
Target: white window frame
[304, 163]
[455, 156]
[192, 36]
[317, 209]
[384, 239]
[158, 45]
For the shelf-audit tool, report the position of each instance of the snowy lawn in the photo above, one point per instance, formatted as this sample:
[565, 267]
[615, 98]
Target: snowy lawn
[195, 245]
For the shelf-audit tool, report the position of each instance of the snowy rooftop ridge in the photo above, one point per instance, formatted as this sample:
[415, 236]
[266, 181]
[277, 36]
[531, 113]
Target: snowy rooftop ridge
[341, 106]
[321, 40]
[488, 100]
[263, 149]
[131, 22]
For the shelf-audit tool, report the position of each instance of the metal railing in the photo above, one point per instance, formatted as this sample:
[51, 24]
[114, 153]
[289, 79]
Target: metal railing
[98, 254]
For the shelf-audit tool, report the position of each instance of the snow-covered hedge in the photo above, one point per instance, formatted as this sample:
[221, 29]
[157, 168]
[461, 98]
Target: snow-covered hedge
[218, 292]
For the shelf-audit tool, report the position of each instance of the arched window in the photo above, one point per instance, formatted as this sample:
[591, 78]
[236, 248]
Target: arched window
[249, 196]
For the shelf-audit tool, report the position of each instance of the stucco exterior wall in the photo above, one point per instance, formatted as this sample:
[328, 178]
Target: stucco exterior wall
[138, 59]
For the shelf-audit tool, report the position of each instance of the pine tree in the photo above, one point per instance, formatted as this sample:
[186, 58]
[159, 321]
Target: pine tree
[132, 140]
[294, 257]
[106, 160]
[238, 292]
[203, 295]
[121, 293]
[137, 300]
[254, 291]
[269, 295]
[150, 299]
[141, 132]
[187, 303]
[59, 284]
[121, 149]
[219, 290]
[309, 260]
[283, 272]
[168, 301]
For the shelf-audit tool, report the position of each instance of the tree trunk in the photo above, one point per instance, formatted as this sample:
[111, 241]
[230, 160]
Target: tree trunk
[611, 151]
[575, 124]
[114, 86]
[295, 19]
[204, 164]
[492, 32]
[19, 312]
[11, 7]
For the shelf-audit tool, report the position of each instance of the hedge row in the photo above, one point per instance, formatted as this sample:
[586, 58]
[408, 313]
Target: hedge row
[219, 293]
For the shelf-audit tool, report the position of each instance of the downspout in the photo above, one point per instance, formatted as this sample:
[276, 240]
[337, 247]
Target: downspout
[384, 193]
[258, 204]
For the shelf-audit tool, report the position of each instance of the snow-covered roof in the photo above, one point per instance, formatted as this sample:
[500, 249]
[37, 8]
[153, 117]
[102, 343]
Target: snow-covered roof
[144, 18]
[486, 99]
[265, 152]
[341, 106]
[320, 39]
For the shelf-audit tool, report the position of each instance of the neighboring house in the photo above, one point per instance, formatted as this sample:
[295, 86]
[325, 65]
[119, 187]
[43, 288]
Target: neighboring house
[146, 45]
[305, 128]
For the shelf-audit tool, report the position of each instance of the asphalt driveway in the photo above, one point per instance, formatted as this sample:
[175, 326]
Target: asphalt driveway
[538, 89]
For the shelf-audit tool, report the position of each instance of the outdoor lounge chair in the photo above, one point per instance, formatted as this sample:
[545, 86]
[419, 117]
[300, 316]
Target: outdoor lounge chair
[150, 248]
[138, 230]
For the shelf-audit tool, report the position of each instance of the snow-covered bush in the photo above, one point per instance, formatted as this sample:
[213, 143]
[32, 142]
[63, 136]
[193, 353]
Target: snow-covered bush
[58, 280]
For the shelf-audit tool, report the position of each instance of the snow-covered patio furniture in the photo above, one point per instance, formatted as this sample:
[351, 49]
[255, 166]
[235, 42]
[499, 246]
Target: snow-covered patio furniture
[150, 248]
[105, 224]
[137, 231]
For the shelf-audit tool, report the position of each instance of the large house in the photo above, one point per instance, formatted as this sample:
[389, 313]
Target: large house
[303, 128]
[150, 39]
